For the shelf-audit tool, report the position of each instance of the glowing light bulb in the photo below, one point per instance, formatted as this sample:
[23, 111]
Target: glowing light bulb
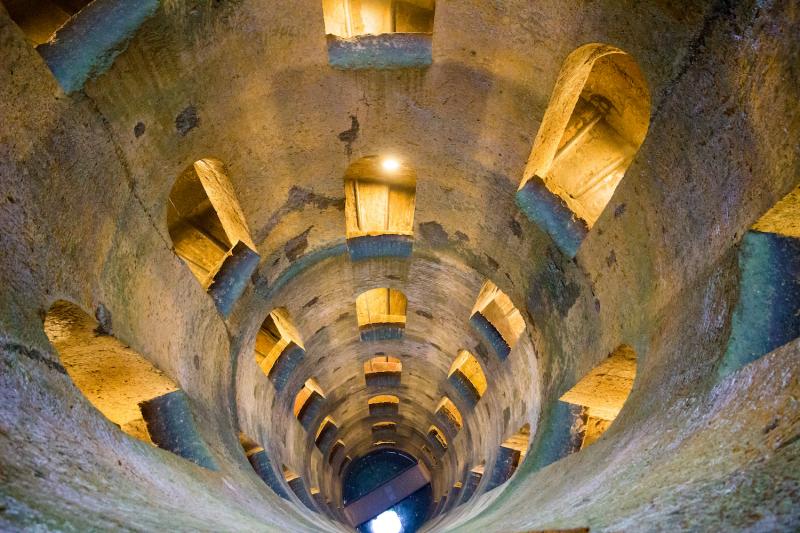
[386, 522]
[390, 164]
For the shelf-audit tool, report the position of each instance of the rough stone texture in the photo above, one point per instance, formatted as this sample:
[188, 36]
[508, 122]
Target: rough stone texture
[232, 279]
[464, 387]
[452, 498]
[284, 367]
[383, 379]
[88, 43]
[171, 426]
[83, 218]
[767, 313]
[326, 438]
[505, 464]
[300, 490]
[379, 246]
[490, 335]
[550, 212]
[469, 488]
[311, 411]
[265, 470]
[386, 51]
[381, 332]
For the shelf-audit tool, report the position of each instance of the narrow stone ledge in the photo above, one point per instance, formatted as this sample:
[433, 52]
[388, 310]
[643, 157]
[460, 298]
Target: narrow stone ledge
[490, 334]
[263, 467]
[172, 427]
[382, 332]
[504, 467]
[371, 246]
[552, 215]
[384, 51]
[311, 410]
[473, 480]
[88, 43]
[465, 388]
[298, 486]
[285, 366]
[232, 278]
[766, 314]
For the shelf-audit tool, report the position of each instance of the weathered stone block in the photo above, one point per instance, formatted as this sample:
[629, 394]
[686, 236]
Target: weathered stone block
[263, 467]
[371, 246]
[88, 43]
[767, 314]
[311, 410]
[300, 490]
[552, 215]
[285, 365]
[172, 427]
[504, 467]
[384, 51]
[382, 332]
[490, 334]
[470, 486]
[464, 387]
[232, 278]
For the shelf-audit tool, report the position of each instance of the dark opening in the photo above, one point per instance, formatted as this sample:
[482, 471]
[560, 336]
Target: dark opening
[367, 473]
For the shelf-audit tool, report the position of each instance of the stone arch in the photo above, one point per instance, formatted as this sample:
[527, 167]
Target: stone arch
[383, 371]
[497, 319]
[123, 386]
[380, 193]
[279, 347]
[438, 439]
[467, 377]
[449, 416]
[602, 392]
[381, 314]
[596, 121]
[209, 232]
[308, 403]
[510, 456]
[384, 405]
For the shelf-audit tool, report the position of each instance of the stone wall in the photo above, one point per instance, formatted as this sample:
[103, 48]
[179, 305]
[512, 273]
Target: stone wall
[86, 180]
